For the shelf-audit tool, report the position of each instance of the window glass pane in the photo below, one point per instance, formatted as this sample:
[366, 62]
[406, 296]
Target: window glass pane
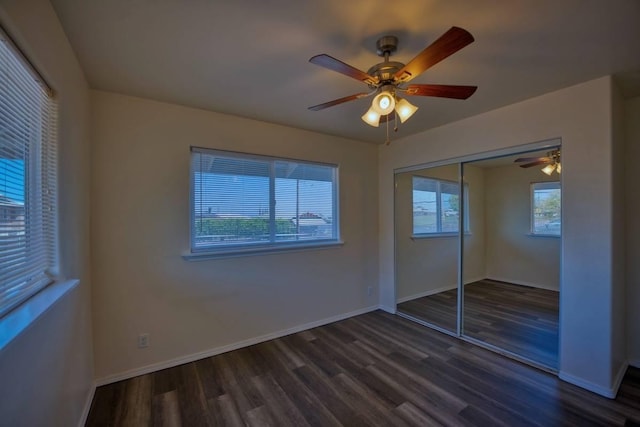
[436, 206]
[450, 209]
[304, 202]
[425, 206]
[247, 200]
[231, 201]
[546, 198]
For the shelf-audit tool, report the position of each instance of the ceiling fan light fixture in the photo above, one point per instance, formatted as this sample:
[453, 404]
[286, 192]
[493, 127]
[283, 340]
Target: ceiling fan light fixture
[371, 117]
[405, 109]
[384, 102]
[559, 168]
[549, 168]
[388, 77]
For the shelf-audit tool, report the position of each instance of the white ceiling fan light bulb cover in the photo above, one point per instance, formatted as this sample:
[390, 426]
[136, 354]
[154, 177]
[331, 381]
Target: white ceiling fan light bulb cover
[405, 109]
[371, 117]
[559, 168]
[383, 103]
[549, 168]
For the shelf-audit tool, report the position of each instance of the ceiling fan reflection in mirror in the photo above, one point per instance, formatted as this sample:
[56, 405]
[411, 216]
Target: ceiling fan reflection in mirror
[388, 80]
[551, 162]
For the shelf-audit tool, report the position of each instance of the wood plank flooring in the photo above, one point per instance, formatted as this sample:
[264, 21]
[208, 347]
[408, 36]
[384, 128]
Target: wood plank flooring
[375, 369]
[520, 319]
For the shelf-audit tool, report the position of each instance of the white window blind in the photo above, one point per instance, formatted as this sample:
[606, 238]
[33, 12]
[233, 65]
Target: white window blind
[27, 179]
[241, 200]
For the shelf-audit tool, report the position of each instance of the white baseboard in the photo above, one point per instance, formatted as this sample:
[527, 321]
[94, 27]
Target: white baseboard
[426, 293]
[635, 363]
[390, 310]
[87, 405]
[474, 280]
[229, 347]
[619, 377]
[523, 283]
[610, 392]
[433, 291]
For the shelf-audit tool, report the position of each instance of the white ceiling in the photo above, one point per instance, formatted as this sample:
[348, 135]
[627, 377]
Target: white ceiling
[250, 58]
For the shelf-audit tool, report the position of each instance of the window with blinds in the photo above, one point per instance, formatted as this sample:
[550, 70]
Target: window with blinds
[27, 179]
[240, 200]
[436, 206]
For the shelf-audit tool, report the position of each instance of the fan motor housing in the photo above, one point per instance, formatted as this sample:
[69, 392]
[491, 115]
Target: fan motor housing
[385, 71]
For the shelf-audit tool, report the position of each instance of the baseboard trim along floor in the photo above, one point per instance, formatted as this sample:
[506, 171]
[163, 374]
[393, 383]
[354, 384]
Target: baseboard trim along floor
[229, 347]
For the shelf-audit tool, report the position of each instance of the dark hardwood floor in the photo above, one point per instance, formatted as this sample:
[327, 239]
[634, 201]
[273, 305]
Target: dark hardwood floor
[373, 369]
[520, 319]
[438, 309]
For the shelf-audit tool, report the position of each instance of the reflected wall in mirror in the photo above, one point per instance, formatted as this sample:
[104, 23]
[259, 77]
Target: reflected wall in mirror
[427, 206]
[512, 263]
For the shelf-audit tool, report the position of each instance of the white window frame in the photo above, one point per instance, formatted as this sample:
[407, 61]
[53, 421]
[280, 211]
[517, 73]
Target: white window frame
[539, 186]
[27, 274]
[464, 207]
[251, 248]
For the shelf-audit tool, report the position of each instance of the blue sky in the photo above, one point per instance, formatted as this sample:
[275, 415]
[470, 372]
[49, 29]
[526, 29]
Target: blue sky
[12, 179]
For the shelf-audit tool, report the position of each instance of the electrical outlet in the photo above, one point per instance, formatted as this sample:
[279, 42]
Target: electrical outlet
[369, 291]
[143, 340]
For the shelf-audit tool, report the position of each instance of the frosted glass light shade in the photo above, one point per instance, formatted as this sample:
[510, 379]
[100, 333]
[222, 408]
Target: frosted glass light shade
[405, 109]
[549, 168]
[383, 103]
[371, 117]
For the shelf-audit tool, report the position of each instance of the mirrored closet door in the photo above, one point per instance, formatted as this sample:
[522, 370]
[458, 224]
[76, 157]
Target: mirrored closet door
[511, 265]
[427, 205]
[477, 250]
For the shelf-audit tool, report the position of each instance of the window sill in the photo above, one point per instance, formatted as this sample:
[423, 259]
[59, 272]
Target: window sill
[436, 235]
[18, 320]
[556, 236]
[251, 251]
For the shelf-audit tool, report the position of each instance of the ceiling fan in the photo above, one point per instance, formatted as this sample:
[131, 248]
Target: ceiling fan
[551, 160]
[388, 79]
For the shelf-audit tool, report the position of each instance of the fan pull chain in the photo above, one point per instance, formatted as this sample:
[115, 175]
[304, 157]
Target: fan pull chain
[388, 141]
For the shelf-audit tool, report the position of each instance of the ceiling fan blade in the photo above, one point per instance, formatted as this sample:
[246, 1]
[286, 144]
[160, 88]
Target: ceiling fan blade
[538, 163]
[338, 101]
[532, 159]
[338, 66]
[443, 91]
[448, 44]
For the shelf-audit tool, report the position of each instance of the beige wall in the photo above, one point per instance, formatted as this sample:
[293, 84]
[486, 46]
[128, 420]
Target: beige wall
[140, 230]
[632, 154]
[46, 373]
[475, 254]
[512, 253]
[581, 117]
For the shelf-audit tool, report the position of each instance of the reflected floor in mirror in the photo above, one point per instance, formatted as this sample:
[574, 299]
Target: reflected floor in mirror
[519, 319]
